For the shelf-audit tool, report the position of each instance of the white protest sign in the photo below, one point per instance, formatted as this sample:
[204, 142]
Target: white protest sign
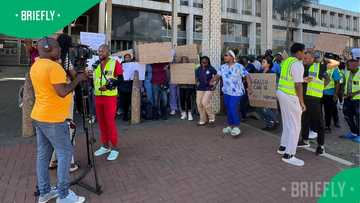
[130, 68]
[355, 53]
[91, 39]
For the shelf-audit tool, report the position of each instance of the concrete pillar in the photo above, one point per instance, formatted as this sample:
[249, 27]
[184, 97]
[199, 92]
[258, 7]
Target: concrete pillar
[298, 36]
[252, 38]
[253, 7]
[108, 22]
[190, 28]
[266, 25]
[211, 43]
[174, 29]
[101, 26]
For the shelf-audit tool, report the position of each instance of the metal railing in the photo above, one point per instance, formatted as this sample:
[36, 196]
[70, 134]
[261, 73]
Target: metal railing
[198, 35]
[236, 39]
[168, 34]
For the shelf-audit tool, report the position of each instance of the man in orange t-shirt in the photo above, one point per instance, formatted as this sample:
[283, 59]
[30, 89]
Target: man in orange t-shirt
[51, 109]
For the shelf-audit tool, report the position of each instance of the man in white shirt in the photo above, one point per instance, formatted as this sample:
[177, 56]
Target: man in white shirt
[290, 96]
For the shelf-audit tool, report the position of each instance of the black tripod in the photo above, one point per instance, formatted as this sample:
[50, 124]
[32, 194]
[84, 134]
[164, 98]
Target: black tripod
[90, 139]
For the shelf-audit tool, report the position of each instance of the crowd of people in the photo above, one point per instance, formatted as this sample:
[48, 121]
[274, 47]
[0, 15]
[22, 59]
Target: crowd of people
[308, 84]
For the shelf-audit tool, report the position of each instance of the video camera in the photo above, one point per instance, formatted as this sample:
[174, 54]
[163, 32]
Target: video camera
[79, 54]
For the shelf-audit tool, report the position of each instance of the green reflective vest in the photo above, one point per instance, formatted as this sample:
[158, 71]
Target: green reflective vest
[286, 82]
[331, 84]
[315, 88]
[355, 83]
[101, 77]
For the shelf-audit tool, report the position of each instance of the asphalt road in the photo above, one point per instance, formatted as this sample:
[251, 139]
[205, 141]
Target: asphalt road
[10, 119]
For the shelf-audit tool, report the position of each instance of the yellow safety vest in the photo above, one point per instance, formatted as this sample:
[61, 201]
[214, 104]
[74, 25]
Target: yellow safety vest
[286, 82]
[101, 77]
[355, 83]
[331, 84]
[315, 88]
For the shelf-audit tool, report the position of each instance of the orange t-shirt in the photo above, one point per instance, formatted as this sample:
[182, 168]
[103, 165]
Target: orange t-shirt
[49, 106]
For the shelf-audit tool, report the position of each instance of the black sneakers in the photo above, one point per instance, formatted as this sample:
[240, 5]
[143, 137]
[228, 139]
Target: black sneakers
[320, 150]
[281, 150]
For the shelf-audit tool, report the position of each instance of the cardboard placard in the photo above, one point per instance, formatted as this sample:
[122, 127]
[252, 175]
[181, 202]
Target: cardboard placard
[130, 68]
[93, 40]
[264, 90]
[331, 43]
[182, 73]
[189, 51]
[155, 53]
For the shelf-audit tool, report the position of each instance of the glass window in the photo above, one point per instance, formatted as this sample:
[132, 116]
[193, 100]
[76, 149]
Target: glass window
[197, 24]
[258, 8]
[247, 6]
[165, 1]
[232, 6]
[198, 3]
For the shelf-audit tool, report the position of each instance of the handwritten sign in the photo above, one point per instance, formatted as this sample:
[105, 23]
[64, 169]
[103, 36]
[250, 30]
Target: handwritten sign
[93, 40]
[331, 43]
[189, 51]
[264, 90]
[155, 53]
[130, 68]
[182, 73]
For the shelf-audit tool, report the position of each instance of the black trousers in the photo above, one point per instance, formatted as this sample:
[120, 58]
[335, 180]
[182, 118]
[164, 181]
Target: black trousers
[312, 118]
[330, 110]
[187, 96]
[125, 102]
[351, 112]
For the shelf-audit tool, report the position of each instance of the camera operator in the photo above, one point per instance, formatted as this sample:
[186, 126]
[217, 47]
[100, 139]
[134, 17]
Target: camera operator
[51, 109]
[107, 76]
[65, 42]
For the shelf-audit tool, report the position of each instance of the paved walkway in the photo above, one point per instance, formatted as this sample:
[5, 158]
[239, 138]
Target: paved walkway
[176, 161]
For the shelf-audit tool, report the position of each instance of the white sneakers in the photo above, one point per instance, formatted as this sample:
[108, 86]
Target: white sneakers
[173, 112]
[232, 131]
[185, 115]
[294, 161]
[235, 131]
[227, 130]
[71, 198]
[312, 135]
[112, 156]
[101, 151]
[190, 117]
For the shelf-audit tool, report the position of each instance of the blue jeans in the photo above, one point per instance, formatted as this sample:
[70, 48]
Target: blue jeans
[351, 110]
[232, 108]
[160, 100]
[52, 136]
[174, 97]
[268, 116]
[148, 90]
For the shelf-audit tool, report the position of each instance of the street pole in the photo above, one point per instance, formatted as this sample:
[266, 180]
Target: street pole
[108, 22]
[174, 22]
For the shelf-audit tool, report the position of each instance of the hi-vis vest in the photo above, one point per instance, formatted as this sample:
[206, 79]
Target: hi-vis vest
[100, 79]
[355, 83]
[286, 82]
[315, 88]
[331, 84]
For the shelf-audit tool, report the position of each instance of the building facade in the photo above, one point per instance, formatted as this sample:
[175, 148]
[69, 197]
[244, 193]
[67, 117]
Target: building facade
[249, 26]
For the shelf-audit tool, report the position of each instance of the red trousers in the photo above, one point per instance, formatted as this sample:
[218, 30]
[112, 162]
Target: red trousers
[105, 114]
